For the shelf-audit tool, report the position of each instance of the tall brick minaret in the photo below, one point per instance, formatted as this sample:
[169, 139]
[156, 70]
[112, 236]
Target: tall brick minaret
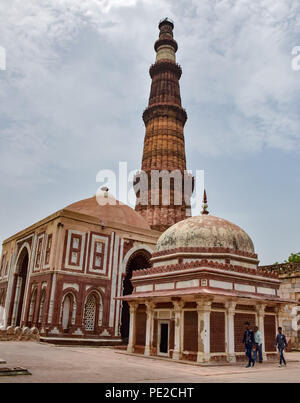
[164, 148]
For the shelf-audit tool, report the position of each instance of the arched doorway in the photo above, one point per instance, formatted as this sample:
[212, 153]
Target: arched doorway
[138, 260]
[19, 287]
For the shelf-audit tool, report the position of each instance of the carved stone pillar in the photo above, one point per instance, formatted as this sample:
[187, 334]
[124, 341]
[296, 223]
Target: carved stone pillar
[149, 327]
[178, 305]
[260, 310]
[203, 309]
[132, 326]
[229, 331]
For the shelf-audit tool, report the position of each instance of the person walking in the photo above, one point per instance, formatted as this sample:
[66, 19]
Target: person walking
[281, 343]
[249, 342]
[258, 345]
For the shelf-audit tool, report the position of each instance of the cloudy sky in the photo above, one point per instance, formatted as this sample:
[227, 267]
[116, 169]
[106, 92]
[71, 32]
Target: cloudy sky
[76, 84]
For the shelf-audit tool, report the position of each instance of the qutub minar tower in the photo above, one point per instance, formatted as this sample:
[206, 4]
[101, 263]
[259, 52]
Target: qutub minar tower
[164, 148]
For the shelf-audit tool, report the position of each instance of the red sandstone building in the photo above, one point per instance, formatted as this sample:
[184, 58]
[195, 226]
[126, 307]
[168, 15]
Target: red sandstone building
[63, 273]
[203, 285]
[69, 275]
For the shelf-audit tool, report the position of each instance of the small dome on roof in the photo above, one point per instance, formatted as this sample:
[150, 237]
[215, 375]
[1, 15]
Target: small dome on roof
[205, 231]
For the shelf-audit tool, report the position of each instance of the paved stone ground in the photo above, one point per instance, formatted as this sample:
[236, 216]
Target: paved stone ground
[49, 363]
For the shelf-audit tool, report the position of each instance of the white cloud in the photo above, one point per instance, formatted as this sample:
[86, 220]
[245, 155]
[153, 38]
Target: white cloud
[77, 81]
[77, 77]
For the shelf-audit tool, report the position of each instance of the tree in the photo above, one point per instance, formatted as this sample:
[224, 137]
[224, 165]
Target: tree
[294, 257]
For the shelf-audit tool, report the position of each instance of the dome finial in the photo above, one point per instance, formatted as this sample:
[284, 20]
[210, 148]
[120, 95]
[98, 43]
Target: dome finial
[204, 205]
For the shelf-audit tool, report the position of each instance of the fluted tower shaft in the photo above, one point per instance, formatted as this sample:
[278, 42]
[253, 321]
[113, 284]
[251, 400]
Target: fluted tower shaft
[164, 147]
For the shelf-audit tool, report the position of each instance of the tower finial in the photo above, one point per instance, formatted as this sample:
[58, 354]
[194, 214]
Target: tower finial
[204, 205]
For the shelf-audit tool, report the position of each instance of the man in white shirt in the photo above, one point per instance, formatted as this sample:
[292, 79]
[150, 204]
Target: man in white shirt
[258, 344]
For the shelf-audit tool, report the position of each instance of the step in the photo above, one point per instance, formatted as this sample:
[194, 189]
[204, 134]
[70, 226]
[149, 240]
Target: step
[14, 371]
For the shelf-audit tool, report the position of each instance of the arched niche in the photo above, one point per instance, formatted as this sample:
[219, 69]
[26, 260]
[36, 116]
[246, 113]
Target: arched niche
[140, 259]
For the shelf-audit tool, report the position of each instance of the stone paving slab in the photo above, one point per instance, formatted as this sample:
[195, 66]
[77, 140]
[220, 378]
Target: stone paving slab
[200, 364]
[49, 363]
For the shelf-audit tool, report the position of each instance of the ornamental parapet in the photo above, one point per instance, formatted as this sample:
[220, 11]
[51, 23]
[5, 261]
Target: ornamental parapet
[282, 269]
[202, 263]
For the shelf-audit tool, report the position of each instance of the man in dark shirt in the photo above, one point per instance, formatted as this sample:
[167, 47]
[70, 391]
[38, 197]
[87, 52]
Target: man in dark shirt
[281, 343]
[249, 342]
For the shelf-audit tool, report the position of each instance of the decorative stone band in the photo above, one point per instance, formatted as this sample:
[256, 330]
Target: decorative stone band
[201, 263]
[170, 131]
[165, 152]
[165, 65]
[161, 42]
[162, 109]
[204, 250]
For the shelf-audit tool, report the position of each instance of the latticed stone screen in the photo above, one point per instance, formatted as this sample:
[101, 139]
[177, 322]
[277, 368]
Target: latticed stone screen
[90, 313]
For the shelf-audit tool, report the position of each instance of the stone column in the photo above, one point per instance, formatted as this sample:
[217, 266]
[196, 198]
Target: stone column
[132, 326]
[279, 316]
[149, 327]
[203, 309]
[51, 303]
[16, 305]
[178, 305]
[11, 302]
[260, 310]
[59, 245]
[229, 331]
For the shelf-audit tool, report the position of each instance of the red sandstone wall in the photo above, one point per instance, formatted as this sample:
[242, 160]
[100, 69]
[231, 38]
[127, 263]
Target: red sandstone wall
[217, 332]
[270, 332]
[239, 328]
[141, 319]
[190, 331]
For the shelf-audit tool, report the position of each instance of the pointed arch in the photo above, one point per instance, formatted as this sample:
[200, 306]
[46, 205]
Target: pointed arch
[19, 285]
[137, 248]
[25, 249]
